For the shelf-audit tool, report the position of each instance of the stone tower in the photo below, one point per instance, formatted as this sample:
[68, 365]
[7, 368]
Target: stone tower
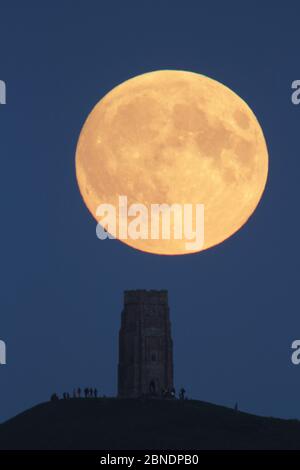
[145, 345]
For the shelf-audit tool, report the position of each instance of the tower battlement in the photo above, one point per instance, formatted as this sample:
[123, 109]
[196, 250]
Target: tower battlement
[158, 297]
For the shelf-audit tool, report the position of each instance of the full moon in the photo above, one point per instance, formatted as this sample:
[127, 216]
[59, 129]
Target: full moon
[174, 137]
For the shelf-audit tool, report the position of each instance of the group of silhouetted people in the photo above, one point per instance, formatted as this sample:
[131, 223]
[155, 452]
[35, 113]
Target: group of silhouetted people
[172, 393]
[77, 393]
[166, 392]
[93, 393]
[86, 393]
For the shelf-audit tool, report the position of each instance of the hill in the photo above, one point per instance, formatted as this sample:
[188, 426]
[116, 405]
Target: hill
[117, 424]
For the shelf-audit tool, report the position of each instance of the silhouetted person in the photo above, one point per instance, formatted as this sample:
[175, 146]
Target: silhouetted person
[91, 392]
[79, 392]
[86, 392]
[236, 407]
[65, 396]
[152, 387]
[95, 393]
[182, 394]
[54, 397]
[173, 393]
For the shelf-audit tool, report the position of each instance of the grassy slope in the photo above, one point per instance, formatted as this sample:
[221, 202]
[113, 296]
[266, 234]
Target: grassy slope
[113, 424]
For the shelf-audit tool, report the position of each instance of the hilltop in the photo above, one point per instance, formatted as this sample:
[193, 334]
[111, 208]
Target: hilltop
[117, 424]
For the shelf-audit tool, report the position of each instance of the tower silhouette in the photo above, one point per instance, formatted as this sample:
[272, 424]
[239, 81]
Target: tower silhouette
[145, 345]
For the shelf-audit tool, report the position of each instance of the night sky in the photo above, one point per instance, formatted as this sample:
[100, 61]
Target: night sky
[234, 308]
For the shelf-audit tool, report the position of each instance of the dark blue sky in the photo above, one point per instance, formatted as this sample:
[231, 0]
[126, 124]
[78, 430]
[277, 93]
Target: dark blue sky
[234, 308]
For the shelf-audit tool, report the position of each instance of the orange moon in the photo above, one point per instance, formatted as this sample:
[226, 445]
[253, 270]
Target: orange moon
[174, 137]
